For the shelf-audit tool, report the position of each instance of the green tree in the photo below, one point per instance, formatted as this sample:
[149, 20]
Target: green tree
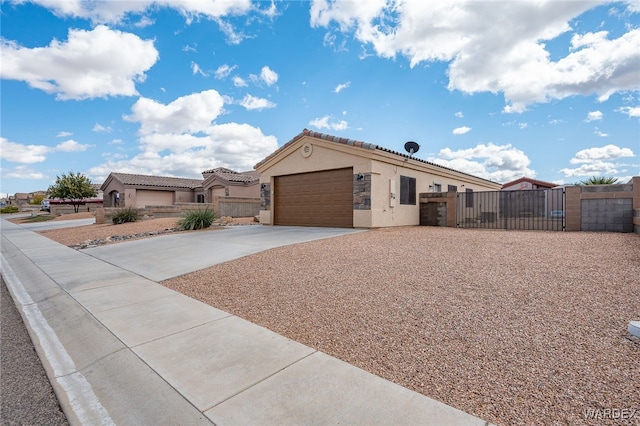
[73, 188]
[598, 180]
[37, 199]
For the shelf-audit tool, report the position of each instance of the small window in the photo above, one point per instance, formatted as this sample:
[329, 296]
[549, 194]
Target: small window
[468, 198]
[200, 198]
[407, 190]
[452, 188]
[437, 187]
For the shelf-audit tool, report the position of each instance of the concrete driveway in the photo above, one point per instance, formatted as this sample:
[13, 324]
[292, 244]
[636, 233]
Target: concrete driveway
[169, 256]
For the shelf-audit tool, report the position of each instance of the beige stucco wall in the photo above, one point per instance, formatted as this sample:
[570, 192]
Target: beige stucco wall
[310, 154]
[242, 190]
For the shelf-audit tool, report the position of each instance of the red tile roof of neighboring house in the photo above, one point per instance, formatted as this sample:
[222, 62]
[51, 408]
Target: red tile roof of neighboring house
[232, 176]
[359, 144]
[538, 183]
[159, 181]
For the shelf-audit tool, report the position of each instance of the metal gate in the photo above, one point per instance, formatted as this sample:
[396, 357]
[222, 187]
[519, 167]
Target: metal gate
[537, 209]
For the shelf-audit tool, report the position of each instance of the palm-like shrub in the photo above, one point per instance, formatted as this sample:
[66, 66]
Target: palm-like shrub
[599, 180]
[196, 219]
[125, 215]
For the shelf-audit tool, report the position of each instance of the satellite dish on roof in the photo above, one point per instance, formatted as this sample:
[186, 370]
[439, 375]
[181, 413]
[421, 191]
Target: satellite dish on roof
[411, 147]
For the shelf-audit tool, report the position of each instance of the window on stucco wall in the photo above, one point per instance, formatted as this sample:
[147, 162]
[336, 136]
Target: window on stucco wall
[407, 190]
[468, 198]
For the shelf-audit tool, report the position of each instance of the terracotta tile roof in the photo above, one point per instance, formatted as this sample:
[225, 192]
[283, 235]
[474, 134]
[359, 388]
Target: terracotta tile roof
[233, 176]
[359, 144]
[159, 181]
[538, 183]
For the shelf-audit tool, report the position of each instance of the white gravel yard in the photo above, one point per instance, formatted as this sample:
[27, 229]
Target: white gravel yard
[513, 327]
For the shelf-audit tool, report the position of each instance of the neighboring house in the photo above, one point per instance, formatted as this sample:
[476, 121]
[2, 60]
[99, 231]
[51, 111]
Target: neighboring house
[138, 191]
[20, 199]
[525, 183]
[317, 179]
[223, 182]
[536, 203]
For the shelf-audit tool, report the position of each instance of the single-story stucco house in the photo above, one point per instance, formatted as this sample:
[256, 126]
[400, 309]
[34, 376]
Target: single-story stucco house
[525, 183]
[139, 191]
[228, 183]
[317, 179]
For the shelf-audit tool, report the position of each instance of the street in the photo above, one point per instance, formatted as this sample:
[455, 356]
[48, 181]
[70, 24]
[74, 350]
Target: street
[27, 395]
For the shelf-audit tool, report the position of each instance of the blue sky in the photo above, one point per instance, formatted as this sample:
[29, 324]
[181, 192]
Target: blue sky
[499, 89]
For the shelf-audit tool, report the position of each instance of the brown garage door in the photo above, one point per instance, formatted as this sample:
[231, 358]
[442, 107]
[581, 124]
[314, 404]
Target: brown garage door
[315, 199]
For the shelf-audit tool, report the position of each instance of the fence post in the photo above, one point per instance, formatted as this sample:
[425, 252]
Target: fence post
[573, 214]
[636, 204]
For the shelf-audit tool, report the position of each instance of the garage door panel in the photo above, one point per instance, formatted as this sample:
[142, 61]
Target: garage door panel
[153, 198]
[315, 199]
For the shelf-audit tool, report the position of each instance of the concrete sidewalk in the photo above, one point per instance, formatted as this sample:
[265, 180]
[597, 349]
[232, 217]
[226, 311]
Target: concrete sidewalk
[121, 349]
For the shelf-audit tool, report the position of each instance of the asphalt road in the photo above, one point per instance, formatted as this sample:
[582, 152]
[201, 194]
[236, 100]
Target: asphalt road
[26, 396]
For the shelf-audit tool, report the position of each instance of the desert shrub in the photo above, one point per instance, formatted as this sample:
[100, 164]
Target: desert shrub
[9, 209]
[126, 215]
[196, 219]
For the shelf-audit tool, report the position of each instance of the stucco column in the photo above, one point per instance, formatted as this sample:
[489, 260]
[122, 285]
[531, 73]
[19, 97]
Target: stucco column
[573, 211]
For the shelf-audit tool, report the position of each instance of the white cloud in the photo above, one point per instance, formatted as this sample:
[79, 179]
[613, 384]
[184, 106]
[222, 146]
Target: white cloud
[233, 37]
[193, 48]
[607, 152]
[195, 69]
[30, 154]
[182, 138]
[593, 116]
[326, 122]
[100, 128]
[26, 154]
[186, 114]
[630, 111]
[239, 82]
[252, 102]
[461, 130]
[71, 146]
[64, 134]
[599, 133]
[115, 11]
[232, 145]
[594, 168]
[269, 76]
[496, 47]
[90, 64]
[501, 163]
[22, 172]
[341, 87]
[223, 71]
[459, 114]
[144, 22]
[598, 161]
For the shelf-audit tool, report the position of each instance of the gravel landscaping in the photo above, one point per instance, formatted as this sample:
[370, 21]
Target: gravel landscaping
[80, 237]
[513, 327]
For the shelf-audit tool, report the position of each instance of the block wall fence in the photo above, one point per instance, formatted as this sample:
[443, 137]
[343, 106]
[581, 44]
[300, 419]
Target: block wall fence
[608, 208]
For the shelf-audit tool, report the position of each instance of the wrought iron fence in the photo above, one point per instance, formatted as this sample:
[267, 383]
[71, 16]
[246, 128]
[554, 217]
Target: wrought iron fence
[538, 209]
